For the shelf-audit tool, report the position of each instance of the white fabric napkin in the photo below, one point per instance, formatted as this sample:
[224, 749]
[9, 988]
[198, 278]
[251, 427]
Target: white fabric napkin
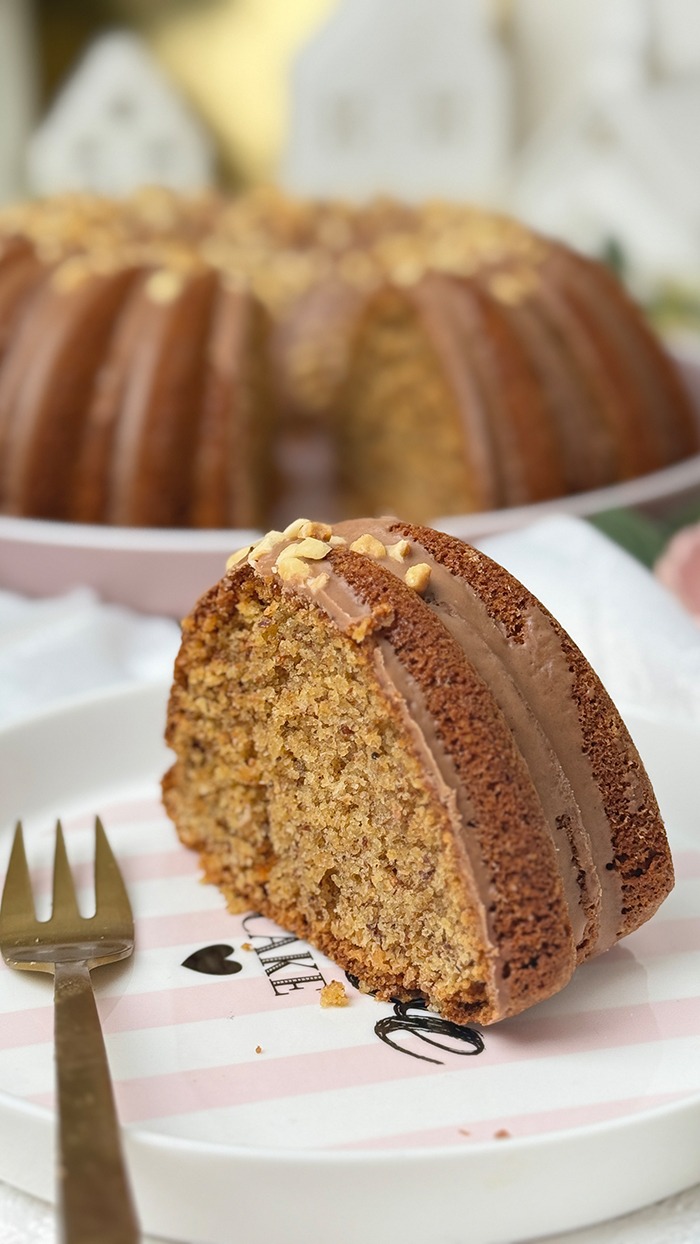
[54, 649]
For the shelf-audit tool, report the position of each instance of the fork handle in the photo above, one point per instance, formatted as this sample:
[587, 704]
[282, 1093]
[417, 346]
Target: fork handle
[94, 1194]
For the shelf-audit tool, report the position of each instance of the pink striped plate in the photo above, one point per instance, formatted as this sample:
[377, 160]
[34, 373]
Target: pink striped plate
[245, 1102]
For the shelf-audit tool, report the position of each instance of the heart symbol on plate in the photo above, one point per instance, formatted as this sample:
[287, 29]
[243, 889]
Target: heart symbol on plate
[213, 960]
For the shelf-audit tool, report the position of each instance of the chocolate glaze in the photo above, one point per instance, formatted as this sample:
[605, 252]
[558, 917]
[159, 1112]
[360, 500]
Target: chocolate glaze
[227, 467]
[650, 378]
[156, 430]
[581, 447]
[532, 682]
[43, 398]
[96, 455]
[631, 421]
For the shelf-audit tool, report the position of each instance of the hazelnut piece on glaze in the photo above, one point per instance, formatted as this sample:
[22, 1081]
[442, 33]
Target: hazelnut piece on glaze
[369, 545]
[418, 576]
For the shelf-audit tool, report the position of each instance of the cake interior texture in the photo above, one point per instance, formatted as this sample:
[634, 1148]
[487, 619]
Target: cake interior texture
[374, 882]
[362, 754]
[397, 422]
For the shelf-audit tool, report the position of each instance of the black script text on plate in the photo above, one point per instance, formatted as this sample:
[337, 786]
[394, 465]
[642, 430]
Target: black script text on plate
[423, 1024]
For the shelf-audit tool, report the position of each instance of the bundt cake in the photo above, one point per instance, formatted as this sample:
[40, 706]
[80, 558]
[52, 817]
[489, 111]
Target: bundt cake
[134, 396]
[168, 361]
[386, 744]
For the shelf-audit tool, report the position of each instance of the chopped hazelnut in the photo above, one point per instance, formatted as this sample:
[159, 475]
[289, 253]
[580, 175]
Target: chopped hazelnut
[418, 576]
[318, 583]
[512, 288]
[408, 272]
[368, 545]
[71, 273]
[258, 1049]
[399, 550]
[316, 550]
[164, 286]
[294, 529]
[319, 531]
[293, 568]
[237, 557]
[267, 544]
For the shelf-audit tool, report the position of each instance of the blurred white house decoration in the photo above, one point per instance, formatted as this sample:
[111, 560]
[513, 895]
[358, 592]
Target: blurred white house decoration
[119, 124]
[581, 116]
[402, 97]
[18, 94]
[613, 165]
[676, 25]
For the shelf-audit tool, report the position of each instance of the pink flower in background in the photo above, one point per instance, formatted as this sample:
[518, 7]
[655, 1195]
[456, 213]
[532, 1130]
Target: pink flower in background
[679, 568]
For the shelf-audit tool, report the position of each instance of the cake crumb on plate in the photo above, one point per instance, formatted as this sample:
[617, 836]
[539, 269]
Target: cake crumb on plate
[333, 994]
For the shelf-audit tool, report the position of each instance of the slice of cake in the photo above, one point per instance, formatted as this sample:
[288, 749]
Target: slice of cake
[387, 745]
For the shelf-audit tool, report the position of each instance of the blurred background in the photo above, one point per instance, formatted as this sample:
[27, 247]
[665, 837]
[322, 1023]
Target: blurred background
[580, 116]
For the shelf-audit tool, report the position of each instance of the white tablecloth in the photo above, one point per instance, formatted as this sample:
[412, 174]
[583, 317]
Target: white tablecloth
[644, 647]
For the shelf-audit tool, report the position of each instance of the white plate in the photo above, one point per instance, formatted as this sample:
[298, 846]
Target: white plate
[165, 571]
[329, 1132]
[154, 571]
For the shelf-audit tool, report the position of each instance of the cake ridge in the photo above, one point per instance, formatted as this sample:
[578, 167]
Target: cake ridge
[605, 745]
[445, 359]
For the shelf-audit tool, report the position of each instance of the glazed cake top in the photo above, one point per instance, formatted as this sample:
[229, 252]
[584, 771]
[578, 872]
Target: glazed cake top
[281, 247]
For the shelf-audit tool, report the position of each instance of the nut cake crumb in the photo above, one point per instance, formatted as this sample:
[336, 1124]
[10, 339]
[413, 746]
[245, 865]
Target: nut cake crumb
[333, 994]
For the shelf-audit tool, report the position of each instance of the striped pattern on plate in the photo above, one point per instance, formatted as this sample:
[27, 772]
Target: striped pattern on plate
[235, 1048]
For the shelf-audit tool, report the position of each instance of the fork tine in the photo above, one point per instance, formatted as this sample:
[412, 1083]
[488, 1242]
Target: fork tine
[110, 891]
[17, 897]
[64, 897]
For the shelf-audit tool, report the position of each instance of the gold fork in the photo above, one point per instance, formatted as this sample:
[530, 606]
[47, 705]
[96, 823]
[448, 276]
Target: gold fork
[93, 1188]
